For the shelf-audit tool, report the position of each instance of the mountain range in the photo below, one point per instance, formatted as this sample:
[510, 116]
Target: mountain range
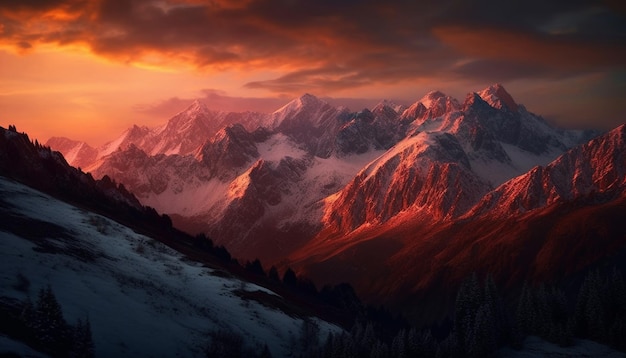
[460, 215]
[396, 200]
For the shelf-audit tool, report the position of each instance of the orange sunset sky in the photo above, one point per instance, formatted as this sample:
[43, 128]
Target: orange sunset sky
[89, 69]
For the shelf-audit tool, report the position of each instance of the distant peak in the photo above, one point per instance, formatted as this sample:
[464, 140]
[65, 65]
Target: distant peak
[386, 102]
[197, 106]
[435, 94]
[498, 97]
[398, 108]
[136, 130]
[431, 97]
[308, 98]
[473, 99]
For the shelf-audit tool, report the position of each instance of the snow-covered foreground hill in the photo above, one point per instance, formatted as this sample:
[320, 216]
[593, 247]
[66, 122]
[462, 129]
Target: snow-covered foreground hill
[142, 298]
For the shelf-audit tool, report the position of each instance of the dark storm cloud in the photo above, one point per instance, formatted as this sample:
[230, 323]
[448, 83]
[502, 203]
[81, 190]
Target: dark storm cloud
[33, 5]
[337, 44]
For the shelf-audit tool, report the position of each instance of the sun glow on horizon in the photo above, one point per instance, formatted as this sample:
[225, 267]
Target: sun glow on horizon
[101, 63]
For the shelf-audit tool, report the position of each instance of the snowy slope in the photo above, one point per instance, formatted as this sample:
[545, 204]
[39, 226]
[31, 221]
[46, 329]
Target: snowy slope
[142, 298]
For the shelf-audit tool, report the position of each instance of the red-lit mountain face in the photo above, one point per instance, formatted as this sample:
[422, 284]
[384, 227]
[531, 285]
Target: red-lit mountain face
[546, 224]
[357, 194]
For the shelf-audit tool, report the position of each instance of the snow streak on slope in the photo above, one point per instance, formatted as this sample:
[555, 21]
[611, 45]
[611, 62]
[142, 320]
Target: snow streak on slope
[278, 147]
[142, 298]
[496, 173]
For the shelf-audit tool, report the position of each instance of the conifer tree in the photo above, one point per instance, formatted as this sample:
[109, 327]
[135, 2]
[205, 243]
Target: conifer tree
[594, 315]
[467, 303]
[542, 312]
[482, 341]
[587, 305]
[616, 310]
[49, 326]
[525, 311]
[273, 274]
[380, 350]
[290, 278]
[398, 345]
[255, 267]
[82, 342]
[495, 303]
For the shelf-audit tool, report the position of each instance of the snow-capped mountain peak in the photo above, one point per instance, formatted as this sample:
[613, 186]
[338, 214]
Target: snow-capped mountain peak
[196, 112]
[398, 108]
[307, 100]
[197, 106]
[416, 110]
[498, 97]
[434, 104]
[306, 107]
[195, 109]
[431, 97]
[387, 109]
